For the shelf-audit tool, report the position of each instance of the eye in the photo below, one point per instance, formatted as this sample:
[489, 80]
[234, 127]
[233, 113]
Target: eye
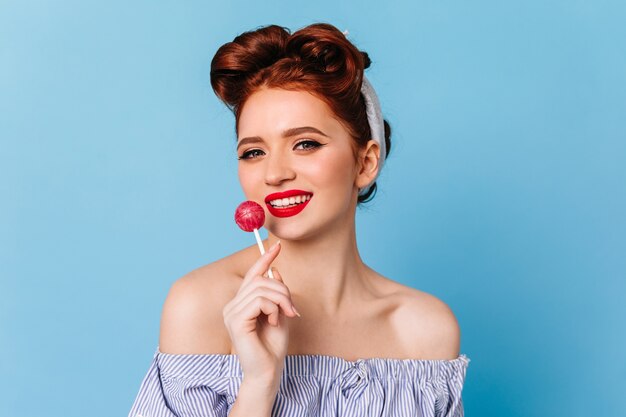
[251, 154]
[309, 144]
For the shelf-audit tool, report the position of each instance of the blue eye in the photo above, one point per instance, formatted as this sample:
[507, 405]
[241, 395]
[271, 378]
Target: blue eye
[251, 154]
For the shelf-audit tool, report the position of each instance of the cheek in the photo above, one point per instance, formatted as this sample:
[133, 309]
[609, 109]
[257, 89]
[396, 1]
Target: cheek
[246, 180]
[332, 170]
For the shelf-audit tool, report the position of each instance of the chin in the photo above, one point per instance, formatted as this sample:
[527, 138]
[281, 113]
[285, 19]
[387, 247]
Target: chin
[294, 232]
[304, 230]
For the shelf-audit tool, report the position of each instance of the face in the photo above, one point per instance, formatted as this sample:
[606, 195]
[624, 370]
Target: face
[297, 161]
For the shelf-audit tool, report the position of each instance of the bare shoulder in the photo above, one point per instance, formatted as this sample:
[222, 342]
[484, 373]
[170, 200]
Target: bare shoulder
[428, 325]
[192, 320]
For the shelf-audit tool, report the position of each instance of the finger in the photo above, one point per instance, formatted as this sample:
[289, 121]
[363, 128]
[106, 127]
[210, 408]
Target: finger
[278, 298]
[251, 311]
[263, 263]
[265, 306]
[282, 287]
[280, 278]
[273, 319]
[277, 275]
[258, 282]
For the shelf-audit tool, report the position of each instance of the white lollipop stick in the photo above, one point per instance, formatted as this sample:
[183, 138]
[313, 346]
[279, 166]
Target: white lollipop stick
[262, 249]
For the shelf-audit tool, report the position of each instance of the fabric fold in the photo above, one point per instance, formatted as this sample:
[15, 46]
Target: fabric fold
[185, 385]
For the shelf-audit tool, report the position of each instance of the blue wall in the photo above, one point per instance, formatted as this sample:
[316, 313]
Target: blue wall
[504, 194]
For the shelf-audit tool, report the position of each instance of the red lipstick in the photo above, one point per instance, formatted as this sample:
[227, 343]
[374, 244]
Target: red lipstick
[286, 211]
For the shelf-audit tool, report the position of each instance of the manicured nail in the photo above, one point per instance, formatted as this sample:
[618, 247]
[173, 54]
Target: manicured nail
[295, 311]
[275, 245]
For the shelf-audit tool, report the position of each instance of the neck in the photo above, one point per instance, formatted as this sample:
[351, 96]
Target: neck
[325, 272]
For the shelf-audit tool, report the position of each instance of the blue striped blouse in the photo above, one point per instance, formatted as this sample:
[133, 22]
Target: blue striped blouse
[182, 385]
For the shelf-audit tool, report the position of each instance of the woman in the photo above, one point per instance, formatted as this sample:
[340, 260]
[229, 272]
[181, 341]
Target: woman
[328, 335]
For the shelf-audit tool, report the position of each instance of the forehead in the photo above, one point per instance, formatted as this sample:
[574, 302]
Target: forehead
[273, 110]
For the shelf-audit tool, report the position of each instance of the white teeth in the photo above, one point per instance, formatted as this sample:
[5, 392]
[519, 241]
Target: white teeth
[281, 202]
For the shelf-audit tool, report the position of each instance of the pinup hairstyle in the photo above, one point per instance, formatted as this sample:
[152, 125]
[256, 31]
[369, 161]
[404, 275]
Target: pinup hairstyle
[318, 59]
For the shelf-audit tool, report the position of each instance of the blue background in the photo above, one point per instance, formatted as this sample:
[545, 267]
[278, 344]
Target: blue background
[504, 194]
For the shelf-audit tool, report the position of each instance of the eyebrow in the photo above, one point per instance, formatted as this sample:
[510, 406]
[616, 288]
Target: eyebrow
[286, 134]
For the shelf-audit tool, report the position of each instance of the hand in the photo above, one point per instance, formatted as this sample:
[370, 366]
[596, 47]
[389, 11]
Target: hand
[256, 322]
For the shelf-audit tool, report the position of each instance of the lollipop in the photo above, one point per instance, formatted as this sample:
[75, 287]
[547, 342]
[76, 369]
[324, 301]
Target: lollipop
[250, 217]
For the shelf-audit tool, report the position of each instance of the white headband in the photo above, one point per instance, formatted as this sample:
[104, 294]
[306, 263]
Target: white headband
[377, 125]
[376, 122]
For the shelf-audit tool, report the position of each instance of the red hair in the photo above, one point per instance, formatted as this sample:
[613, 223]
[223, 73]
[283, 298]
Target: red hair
[318, 59]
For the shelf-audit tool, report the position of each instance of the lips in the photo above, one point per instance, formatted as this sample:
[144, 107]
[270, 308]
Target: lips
[289, 211]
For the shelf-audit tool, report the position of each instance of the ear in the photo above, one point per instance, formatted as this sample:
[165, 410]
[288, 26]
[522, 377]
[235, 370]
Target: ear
[369, 158]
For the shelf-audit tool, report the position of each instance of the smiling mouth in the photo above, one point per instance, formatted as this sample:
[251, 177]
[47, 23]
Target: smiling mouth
[283, 203]
[287, 203]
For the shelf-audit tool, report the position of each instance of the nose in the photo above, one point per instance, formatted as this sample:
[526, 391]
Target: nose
[278, 169]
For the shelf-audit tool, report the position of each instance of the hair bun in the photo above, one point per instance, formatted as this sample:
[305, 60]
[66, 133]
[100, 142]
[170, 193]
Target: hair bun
[326, 48]
[245, 56]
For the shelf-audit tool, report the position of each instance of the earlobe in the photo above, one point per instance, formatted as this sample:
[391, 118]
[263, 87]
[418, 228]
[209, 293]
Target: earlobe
[369, 160]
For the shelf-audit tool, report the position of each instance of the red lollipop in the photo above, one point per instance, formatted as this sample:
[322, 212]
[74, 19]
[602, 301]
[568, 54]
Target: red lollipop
[250, 217]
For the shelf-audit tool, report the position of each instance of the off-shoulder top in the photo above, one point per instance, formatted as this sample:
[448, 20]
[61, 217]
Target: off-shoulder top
[182, 385]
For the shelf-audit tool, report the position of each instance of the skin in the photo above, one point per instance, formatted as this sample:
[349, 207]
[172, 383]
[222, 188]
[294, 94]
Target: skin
[348, 309]
[325, 229]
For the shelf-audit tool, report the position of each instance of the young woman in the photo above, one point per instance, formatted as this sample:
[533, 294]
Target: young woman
[328, 335]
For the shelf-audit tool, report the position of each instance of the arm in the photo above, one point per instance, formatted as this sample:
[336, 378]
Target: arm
[188, 325]
[255, 399]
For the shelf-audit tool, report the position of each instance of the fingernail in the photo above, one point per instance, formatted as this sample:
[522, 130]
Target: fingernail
[275, 245]
[295, 311]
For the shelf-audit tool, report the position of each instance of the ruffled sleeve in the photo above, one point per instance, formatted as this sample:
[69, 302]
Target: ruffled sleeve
[450, 386]
[182, 386]
[207, 385]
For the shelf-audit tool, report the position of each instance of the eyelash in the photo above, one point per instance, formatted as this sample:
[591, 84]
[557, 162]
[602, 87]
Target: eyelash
[313, 142]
